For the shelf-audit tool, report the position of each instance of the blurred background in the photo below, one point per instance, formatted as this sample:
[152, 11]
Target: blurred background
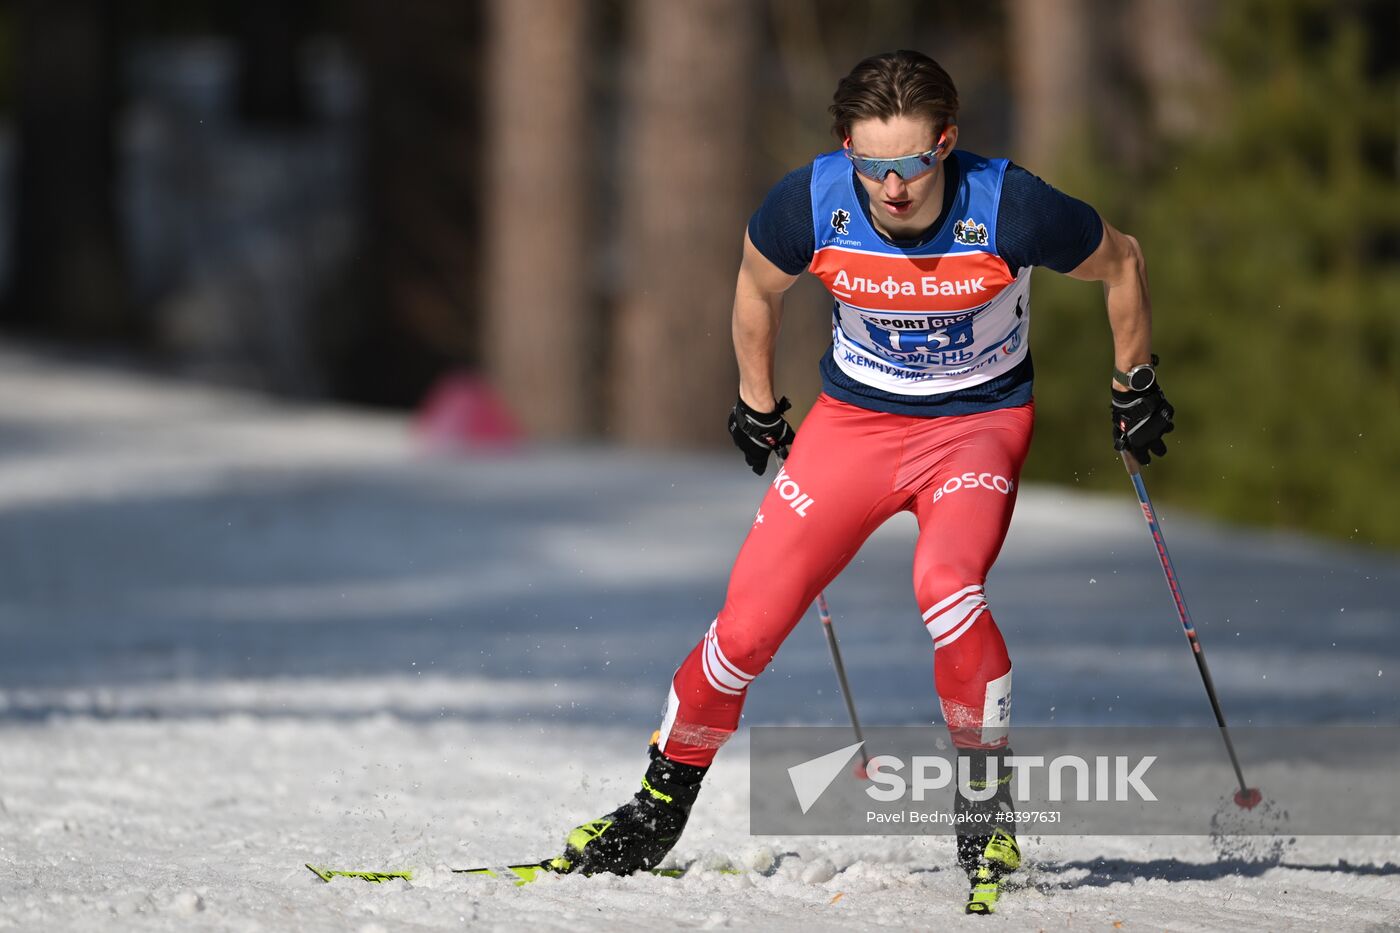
[352, 201]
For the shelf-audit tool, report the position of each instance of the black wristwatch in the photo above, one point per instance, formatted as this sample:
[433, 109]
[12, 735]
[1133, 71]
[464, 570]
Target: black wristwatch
[1141, 377]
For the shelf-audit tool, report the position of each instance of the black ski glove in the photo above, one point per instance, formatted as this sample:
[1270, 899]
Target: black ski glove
[759, 433]
[1139, 421]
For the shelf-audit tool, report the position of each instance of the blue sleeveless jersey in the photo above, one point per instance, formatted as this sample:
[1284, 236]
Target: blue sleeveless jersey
[941, 328]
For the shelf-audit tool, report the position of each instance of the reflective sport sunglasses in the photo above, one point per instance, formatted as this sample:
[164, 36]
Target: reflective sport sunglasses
[907, 167]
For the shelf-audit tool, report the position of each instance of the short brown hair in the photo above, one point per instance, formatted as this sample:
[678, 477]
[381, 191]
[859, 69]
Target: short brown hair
[902, 83]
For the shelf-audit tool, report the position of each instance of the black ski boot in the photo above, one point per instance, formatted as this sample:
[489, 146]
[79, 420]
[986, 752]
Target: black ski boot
[637, 835]
[987, 848]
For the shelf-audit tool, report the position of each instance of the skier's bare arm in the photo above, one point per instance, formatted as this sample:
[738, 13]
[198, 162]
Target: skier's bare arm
[758, 311]
[1119, 264]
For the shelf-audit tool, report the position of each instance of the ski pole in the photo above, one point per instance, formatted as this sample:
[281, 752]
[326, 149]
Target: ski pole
[1247, 797]
[824, 612]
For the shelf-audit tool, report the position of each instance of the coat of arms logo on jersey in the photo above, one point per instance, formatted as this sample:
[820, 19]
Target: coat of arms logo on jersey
[970, 233]
[839, 219]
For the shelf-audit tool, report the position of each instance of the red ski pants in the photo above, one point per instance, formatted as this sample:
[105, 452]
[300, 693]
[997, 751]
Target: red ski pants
[850, 470]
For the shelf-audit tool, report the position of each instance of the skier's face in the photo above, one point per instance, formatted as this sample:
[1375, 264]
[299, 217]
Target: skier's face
[903, 208]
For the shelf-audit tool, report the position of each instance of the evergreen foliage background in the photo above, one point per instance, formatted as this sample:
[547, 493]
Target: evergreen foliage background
[1273, 245]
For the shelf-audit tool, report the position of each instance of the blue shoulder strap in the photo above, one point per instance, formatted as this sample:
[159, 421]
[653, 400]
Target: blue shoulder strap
[837, 217]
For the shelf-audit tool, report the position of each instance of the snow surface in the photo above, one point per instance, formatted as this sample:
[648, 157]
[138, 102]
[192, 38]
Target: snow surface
[237, 636]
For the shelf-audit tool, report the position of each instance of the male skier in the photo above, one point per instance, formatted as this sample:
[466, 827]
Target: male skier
[926, 407]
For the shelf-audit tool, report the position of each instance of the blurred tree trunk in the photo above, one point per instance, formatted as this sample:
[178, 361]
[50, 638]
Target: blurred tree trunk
[1052, 55]
[1106, 78]
[69, 275]
[271, 83]
[1168, 45]
[686, 198]
[539, 294]
[413, 310]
